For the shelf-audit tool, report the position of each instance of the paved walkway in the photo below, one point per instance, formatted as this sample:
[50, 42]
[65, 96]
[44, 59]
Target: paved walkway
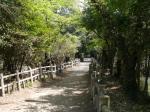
[68, 95]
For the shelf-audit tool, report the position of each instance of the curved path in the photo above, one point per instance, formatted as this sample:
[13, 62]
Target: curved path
[67, 95]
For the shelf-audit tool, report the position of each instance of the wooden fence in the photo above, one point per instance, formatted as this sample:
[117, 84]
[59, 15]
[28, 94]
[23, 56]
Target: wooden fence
[20, 79]
[100, 100]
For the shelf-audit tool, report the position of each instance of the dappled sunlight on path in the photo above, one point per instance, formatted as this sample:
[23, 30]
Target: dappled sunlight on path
[68, 95]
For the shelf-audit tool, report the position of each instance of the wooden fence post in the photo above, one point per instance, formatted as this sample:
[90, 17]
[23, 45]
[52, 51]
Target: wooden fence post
[53, 72]
[40, 72]
[31, 75]
[2, 84]
[49, 69]
[14, 86]
[44, 74]
[55, 68]
[8, 89]
[72, 64]
[104, 103]
[95, 74]
[62, 68]
[18, 81]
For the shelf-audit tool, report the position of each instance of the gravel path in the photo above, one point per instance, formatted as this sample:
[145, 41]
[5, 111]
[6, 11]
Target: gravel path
[67, 95]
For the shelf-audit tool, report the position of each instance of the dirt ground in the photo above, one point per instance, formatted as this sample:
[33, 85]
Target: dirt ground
[70, 94]
[121, 102]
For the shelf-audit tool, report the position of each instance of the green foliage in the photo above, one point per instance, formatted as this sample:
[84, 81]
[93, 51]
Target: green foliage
[31, 28]
[35, 16]
[96, 44]
[124, 27]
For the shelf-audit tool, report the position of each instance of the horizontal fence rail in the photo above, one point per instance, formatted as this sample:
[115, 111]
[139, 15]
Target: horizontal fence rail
[21, 78]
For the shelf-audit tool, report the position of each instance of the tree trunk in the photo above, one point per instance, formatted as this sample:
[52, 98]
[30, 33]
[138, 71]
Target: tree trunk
[22, 62]
[147, 65]
[129, 75]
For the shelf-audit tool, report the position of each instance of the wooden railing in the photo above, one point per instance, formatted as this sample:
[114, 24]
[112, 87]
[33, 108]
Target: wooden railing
[20, 79]
[100, 99]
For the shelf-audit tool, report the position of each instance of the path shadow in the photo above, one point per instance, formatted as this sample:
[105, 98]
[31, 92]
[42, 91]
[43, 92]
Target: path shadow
[74, 98]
